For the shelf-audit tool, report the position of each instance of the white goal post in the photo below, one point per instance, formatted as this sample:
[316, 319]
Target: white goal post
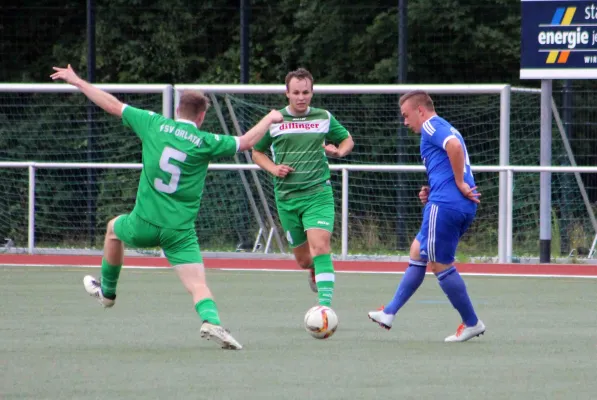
[502, 90]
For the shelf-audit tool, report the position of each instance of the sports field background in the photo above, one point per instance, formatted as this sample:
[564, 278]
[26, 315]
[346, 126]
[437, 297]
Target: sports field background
[58, 343]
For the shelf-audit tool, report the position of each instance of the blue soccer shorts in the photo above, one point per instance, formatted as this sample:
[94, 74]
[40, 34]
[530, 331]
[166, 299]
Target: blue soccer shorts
[441, 231]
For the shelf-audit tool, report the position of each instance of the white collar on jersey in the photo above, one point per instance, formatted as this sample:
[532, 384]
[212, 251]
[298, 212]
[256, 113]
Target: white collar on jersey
[294, 115]
[430, 118]
[186, 121]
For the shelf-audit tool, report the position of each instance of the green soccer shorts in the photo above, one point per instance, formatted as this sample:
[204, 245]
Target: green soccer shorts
[180, 245]
[315, 211]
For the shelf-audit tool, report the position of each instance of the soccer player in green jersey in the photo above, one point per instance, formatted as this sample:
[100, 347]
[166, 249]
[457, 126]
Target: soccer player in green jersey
[176, 154]
[303, 192]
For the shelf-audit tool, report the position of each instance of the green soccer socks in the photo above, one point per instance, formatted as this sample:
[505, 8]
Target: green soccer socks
[110, 274]
[207, 311]
[325, 278]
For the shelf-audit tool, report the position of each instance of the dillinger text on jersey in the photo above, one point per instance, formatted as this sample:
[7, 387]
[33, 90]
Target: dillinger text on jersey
[298, 125]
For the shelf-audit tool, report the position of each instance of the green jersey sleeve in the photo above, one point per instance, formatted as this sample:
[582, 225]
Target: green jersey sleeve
[220, 145]
[265, 143]
[140, 121]
[337, 132]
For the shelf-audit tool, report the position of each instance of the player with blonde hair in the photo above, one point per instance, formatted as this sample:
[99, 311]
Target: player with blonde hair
[450, 202]
[176, 154]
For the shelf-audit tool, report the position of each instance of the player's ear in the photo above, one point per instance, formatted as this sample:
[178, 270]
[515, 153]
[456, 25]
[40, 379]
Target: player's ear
[200, 118]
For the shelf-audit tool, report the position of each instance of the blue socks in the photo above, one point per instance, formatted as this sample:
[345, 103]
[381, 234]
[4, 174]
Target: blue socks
[412, 279]
[453, 286]
[449, 280]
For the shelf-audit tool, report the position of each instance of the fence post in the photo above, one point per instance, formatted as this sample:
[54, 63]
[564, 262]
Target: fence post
[504, 161]
[510, 210]
[31, 212]
[344, 213]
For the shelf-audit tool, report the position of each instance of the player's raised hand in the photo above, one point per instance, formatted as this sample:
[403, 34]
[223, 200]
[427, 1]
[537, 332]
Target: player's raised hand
[424, 194]
[275, 116]
[282, 170]
[66, 74]
[469, 192]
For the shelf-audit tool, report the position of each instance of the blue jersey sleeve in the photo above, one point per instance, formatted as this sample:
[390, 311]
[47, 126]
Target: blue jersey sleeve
[437, 134]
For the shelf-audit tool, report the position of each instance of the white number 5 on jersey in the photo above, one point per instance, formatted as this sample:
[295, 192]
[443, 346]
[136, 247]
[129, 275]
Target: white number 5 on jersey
[168, 154]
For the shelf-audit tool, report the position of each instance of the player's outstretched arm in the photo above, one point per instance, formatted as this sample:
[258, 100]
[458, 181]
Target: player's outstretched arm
[253, 135]
[103, 99]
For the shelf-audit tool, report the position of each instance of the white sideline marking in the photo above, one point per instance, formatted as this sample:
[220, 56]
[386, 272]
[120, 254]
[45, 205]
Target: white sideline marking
[77, 266]
[302, 271]
[427, 273]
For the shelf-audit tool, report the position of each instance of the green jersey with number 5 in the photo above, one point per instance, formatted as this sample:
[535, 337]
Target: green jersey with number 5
[176, 155]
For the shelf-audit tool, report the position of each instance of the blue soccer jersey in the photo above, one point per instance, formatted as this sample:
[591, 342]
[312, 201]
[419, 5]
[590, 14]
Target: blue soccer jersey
[435, 134]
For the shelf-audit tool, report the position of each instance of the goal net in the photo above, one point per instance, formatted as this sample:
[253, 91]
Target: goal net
[73, 205]
[384, 210]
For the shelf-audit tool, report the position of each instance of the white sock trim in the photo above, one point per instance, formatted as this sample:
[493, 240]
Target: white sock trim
[325, 277]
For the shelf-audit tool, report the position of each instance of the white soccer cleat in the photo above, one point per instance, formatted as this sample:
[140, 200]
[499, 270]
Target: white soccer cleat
[464, 333]
[381, 318]
[219, 335]
[93, 287]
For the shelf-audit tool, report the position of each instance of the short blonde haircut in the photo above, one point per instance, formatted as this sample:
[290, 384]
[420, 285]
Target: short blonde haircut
[418, 98]
[192, 103]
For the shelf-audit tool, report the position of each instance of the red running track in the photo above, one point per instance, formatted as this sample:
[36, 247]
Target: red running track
[288, 264]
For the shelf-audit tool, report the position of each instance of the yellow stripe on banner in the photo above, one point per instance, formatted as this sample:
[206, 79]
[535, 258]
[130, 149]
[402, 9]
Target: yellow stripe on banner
[568, 16]
[551, 58]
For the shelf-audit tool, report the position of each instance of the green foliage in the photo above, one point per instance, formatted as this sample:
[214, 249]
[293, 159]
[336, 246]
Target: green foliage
[176, 41]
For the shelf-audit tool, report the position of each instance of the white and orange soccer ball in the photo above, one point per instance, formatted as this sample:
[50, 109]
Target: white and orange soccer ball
[321, 322]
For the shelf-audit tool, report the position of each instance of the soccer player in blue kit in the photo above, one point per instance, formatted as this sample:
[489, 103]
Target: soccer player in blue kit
[450, 205]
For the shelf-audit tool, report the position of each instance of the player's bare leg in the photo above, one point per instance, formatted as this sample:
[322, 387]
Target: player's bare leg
[410, 282]
[320, 249]
[192, 277]
[113, 247]
[454, 287]
[104, 290]
[302, 255]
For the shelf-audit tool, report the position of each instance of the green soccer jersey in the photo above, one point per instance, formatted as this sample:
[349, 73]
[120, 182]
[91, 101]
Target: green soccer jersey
[298, 143]
[176, 155]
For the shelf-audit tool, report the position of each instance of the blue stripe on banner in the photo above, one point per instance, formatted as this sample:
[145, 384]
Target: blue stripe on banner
[558, 15]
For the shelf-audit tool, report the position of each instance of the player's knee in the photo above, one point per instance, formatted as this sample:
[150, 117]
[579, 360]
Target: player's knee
[110, 229]
[436, 267]
[415, 250]
[304, 262]
[433, 267]
[318, 249]
[415, 254]
[302, 255]
[192, 276]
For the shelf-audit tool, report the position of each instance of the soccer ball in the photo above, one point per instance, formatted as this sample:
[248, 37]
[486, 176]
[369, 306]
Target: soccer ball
[321, 322]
